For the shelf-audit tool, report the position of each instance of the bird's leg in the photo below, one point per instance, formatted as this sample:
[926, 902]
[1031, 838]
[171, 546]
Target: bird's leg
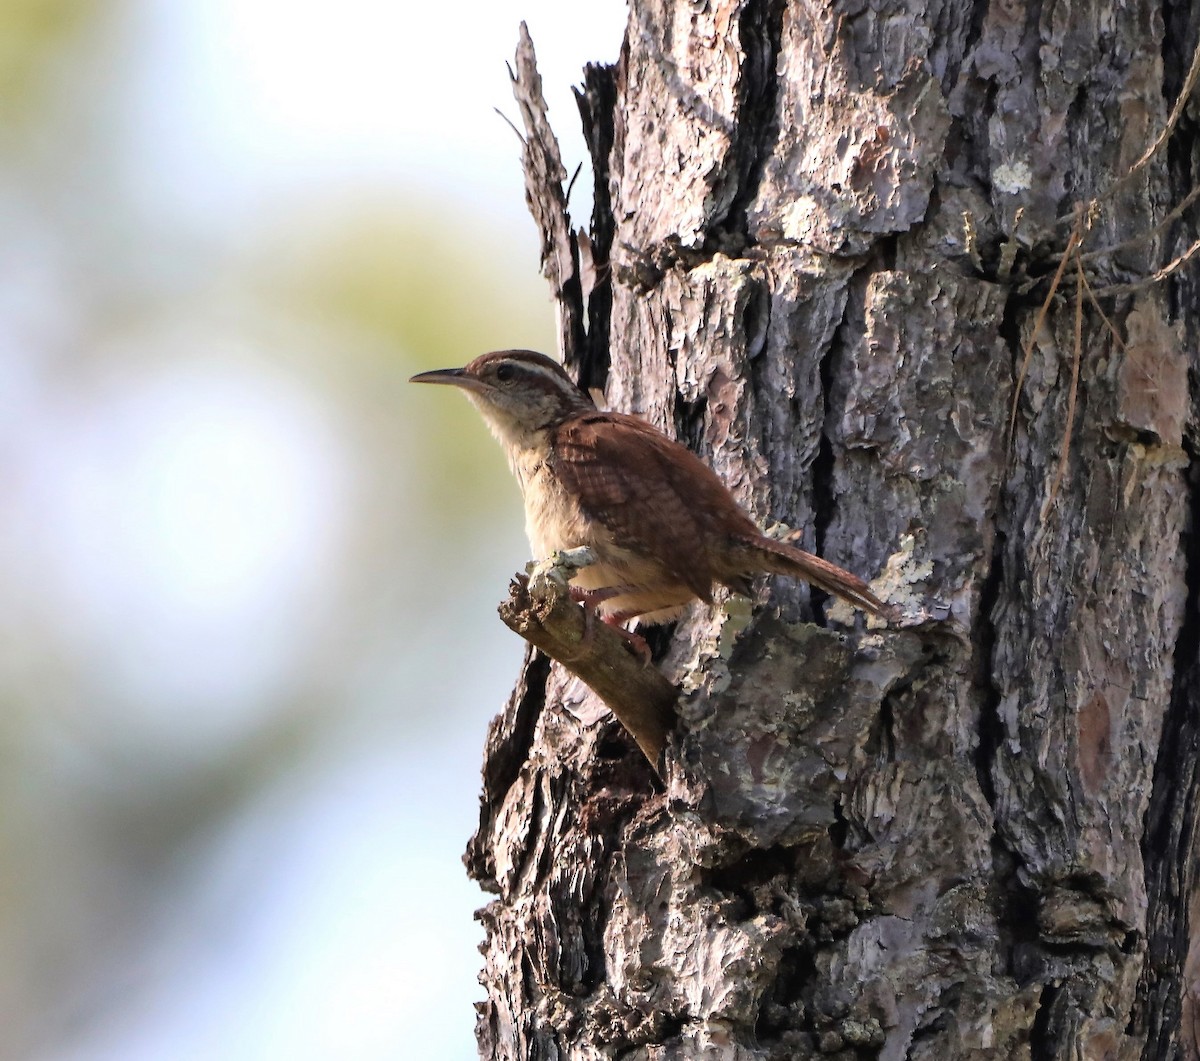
[591, 599]
[565, 564]
[637, 644]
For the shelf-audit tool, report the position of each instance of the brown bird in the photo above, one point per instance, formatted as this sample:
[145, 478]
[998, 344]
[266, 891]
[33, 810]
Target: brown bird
[663, 528]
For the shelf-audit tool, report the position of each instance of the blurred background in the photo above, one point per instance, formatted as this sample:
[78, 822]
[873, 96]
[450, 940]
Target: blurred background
[249, 647]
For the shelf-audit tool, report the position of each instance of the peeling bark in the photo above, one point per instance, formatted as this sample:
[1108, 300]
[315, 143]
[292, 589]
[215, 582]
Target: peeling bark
[822, 242]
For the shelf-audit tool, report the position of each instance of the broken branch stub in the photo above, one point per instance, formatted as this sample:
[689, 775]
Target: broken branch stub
[542, 612]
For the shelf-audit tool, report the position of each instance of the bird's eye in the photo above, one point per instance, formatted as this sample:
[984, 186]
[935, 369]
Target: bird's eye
[504, 373]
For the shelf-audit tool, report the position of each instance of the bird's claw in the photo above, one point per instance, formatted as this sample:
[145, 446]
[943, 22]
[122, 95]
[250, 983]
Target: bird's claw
[591, 599]
[635, 643]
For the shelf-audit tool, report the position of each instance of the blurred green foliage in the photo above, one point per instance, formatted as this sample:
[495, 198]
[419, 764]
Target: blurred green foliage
[114, 806]
[410, 272]
[428, 289]
[32, 32]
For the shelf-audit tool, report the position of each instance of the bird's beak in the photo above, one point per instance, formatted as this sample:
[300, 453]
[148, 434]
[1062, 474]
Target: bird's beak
[456, 377]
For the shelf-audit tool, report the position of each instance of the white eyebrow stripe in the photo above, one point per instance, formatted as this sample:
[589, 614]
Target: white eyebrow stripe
[551, 376]
[546, 373]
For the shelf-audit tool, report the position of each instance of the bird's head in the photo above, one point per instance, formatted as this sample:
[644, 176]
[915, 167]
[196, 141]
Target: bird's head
[520, 393]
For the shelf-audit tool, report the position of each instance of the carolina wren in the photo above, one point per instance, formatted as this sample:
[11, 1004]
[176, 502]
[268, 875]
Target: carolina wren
[664, 529]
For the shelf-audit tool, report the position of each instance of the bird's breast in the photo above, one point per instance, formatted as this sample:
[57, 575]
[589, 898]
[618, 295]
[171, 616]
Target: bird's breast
[553, 518]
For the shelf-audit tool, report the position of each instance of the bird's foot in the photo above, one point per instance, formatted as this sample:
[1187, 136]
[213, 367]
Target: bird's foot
[634, 642]
[562, 566]
[591, 599]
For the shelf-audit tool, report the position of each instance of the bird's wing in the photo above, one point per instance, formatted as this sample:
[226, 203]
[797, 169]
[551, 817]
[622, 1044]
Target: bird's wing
[654, 495]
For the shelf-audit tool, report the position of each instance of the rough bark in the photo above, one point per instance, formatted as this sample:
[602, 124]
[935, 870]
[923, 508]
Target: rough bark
[823, 238]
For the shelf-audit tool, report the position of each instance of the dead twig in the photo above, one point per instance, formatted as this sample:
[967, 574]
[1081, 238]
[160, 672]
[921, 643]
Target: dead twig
[1189, 84]
[1027, 352]
[1081, 220]
[1157, 277]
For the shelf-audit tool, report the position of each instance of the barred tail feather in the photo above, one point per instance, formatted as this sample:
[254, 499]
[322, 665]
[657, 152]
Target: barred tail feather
[784, 559]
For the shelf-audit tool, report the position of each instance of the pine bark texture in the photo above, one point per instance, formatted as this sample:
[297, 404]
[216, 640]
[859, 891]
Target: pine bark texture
[822, 238]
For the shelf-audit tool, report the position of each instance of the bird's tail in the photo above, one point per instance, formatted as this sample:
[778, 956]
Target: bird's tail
[780, 558]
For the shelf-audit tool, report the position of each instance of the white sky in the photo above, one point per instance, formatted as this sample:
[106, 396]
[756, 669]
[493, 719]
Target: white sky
[246, 99]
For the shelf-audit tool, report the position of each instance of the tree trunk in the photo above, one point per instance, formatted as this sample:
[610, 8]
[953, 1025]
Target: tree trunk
[822, 243]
